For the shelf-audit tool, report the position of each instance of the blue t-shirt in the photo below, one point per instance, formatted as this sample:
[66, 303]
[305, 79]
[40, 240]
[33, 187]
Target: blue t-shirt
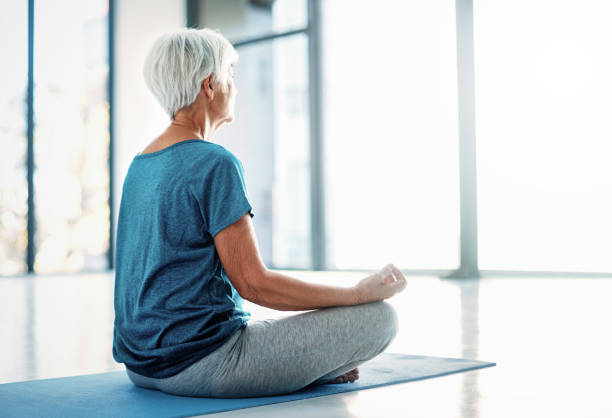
[174, 303]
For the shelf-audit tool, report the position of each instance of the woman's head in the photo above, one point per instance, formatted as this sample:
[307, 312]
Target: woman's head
[183, 63]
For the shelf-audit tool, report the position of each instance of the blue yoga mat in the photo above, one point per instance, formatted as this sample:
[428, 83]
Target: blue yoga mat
[114, 395]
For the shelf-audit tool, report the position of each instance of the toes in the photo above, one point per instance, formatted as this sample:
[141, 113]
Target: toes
[350, 376]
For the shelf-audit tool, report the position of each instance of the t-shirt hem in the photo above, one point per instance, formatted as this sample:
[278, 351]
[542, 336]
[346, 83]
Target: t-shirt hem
[159, 374]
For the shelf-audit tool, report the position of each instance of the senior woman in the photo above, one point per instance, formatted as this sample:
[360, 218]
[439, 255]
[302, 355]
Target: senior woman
[187, 257]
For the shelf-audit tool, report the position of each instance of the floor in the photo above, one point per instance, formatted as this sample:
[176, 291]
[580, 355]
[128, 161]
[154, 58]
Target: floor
[551, 339]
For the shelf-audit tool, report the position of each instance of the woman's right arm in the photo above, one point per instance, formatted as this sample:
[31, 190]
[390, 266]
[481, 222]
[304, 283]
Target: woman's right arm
[239, 254]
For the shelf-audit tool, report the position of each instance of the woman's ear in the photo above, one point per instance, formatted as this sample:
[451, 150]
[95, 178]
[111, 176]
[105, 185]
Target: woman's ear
[207, 87]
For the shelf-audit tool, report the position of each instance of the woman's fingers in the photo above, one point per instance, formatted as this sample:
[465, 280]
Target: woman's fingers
[388, 279]
[386, 272]
[398, 273]
[381, 285]
[398, 282]
[390, 273]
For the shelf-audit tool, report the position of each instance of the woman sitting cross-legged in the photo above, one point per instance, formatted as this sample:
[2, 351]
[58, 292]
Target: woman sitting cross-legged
[187, 257]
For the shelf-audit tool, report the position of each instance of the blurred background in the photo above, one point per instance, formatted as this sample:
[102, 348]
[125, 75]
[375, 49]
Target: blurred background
[395, 131]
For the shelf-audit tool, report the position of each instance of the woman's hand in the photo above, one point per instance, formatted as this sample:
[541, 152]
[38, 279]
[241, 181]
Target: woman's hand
[380, 285]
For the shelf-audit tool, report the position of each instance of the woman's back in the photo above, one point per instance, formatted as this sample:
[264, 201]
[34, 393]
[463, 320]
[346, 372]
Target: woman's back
[174, 304]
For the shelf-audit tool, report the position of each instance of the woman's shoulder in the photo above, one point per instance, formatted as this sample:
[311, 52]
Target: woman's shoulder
[210, 152]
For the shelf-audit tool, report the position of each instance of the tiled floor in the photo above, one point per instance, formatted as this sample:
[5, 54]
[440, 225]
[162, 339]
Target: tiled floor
[551, 340]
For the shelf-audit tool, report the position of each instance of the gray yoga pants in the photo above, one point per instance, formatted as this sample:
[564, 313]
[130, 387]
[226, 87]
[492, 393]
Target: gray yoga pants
[278, 356]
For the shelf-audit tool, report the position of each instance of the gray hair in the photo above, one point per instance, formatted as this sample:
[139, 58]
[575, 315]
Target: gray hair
[179, 61]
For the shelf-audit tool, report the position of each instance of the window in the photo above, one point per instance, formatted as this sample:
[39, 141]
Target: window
[391, 135]
[543, 100]
[390, 132]
[71, 178]
[241, 20]
[13, 179]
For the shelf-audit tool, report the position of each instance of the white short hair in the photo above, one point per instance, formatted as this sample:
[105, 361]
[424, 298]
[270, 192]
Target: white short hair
[179, 61]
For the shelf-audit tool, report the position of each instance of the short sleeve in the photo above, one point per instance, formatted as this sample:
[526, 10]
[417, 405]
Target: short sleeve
[225, 198]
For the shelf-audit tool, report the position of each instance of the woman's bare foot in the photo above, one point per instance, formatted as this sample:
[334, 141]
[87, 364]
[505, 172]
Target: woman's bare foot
[347, 377]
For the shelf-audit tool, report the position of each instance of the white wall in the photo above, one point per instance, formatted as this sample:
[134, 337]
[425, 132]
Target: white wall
[138, 116]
